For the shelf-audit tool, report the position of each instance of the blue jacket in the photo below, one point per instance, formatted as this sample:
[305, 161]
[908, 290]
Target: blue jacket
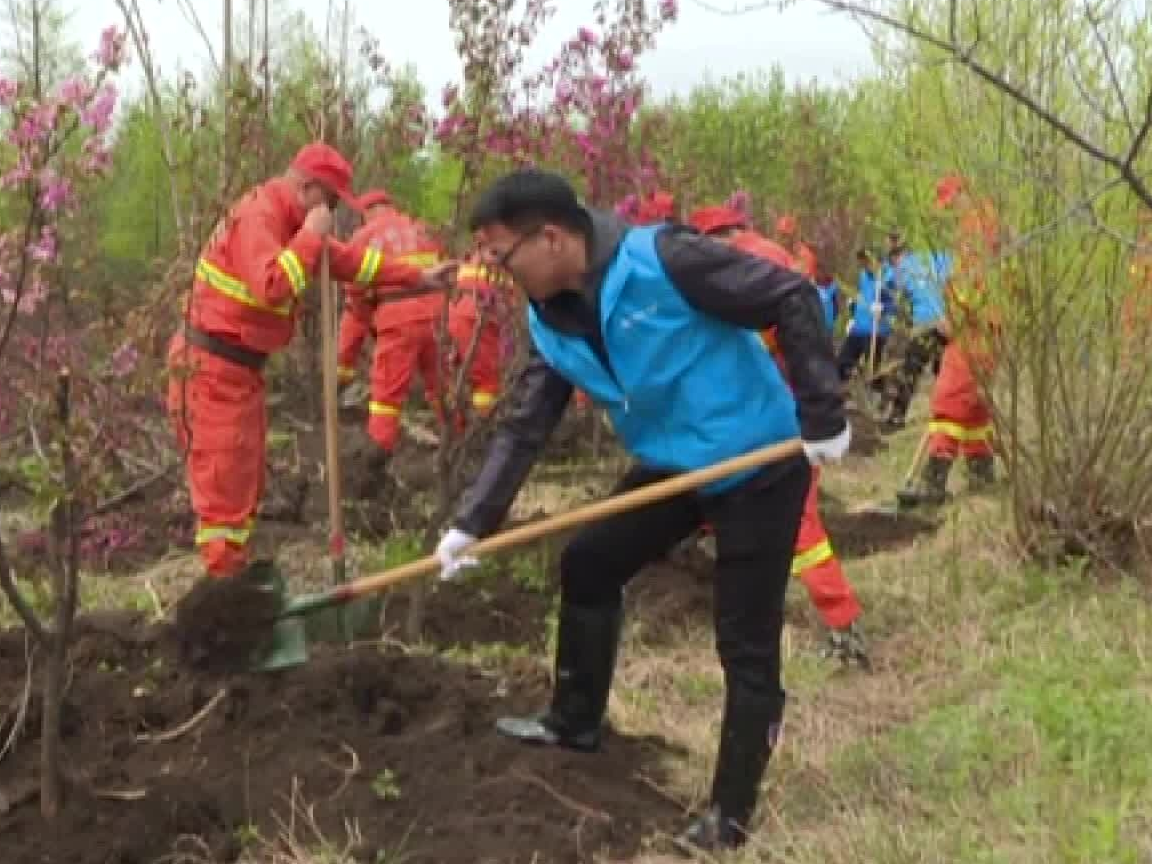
[921, 279]
[830, 299]
[683, 389]
[862, 321]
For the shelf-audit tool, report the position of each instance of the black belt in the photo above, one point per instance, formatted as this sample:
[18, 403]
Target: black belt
[225, 350]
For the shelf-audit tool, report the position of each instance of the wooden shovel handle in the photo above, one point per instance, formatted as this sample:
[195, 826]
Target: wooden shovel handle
[329, 367]
[582, 515]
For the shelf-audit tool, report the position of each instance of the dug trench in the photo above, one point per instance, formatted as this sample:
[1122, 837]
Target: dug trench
[400, 746]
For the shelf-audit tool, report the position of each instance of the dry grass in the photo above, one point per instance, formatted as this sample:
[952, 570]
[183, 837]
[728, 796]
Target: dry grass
[1006, 721]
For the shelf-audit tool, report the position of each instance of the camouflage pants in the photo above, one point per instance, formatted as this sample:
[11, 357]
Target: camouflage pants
[923, 349]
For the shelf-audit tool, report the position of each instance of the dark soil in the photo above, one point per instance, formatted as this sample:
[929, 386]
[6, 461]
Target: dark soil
[402, 745]
[491, 609]
[858, 535]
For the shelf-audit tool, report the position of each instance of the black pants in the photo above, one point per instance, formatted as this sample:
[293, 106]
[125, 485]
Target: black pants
[755, 526]
[924, 349]
[854, 349]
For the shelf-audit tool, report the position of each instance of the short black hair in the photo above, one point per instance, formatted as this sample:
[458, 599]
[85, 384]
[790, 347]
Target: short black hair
[528, 197]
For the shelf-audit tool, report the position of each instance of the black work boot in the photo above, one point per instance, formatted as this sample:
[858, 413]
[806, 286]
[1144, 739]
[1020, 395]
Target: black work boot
[848, 646]
[586, 644]
[981, 472]
[748, 734]
[933, 487]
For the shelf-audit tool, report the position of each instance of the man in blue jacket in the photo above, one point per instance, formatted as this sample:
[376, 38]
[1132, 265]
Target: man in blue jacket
[661, 327]
[920, 283]
[872, 310]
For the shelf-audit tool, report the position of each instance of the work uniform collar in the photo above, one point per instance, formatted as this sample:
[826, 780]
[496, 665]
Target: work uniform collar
[283, 195]
[576, 312]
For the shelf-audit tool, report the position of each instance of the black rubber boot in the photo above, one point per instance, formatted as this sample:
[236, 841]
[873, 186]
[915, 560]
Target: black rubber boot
[981, 472]
[748, 734]
[586, 644]
[933, 487]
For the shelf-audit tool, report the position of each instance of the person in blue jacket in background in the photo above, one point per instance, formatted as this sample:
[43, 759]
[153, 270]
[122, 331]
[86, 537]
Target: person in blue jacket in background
[919, 281]
[829, 290]
[873, 309]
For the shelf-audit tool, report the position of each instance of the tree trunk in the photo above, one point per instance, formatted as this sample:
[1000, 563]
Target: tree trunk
[65, 589]
[226, 81]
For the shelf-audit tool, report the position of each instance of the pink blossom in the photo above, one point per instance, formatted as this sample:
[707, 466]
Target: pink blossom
[8, 91]
[98, 114]
[668, 9]
[111, 52]
[32, 296]
[564, 92]
[76, 91]
[97, 161]
[586, 36]
[625, 62]
[55, 191]
[124, 360]
[45, 248]
[35, 126]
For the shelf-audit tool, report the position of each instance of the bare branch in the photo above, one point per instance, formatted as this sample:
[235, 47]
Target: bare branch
[12, 591]
[1110, 63]
[1124, 165]
[1140, 138]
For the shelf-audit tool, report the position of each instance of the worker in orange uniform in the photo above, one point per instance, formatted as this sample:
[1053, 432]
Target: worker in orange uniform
[789, 233]
[814, 561]
[961, 421]
[405, 330]
[250, 281]
[480, 291]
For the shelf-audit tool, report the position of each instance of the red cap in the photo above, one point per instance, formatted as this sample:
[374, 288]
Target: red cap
[786, 225]
[947, 188]
[324, 164]
[706, 220]
[656, 208]
[373, 197]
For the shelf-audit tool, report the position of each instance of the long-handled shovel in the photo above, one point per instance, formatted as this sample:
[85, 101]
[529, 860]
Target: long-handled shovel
[290, 645]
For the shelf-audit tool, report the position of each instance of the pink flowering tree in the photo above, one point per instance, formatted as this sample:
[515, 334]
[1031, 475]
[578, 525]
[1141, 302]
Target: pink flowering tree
[57, 403]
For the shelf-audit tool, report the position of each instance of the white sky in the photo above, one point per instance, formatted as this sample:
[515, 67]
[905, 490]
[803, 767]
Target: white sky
[805, 40]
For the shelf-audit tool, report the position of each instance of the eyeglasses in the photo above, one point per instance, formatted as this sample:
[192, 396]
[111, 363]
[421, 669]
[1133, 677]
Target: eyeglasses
[503, 261]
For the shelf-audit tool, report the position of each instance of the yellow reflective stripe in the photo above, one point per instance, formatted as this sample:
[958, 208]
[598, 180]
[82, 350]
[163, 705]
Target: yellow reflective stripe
[290, 262]
[209, 531]
[482, 400]
[383, 409]
[813, 557]
[471, 271]
[420, 259]
[369, 265]
[234, 288]
[960, 433]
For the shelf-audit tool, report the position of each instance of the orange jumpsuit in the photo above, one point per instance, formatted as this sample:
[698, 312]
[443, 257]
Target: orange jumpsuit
[961, 422]
[244, 305]
[479, 289]
[814, 561]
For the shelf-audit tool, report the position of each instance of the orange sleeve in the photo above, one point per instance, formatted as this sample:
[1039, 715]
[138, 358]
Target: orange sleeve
[365, 264]
[275, 274]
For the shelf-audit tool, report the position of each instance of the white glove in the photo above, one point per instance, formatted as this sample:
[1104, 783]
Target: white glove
[448, 550]
[877, 309]
[830, 449]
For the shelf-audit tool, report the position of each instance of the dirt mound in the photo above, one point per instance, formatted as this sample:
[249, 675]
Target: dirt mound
[400, 745]
[858, 535]
[867, 439]
[492, 609]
